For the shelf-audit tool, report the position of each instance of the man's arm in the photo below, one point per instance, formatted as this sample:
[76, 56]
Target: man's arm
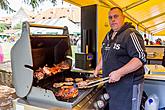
[130, 67]
[98, 67]
[136, 50]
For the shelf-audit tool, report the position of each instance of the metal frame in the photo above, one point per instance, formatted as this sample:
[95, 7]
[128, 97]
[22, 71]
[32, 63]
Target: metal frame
[158, 30]
[146, 20]
[155, 25]
[72, 2]
[135, 21]
[132, 5]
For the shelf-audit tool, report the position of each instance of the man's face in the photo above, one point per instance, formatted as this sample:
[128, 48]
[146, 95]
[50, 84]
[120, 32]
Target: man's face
[116, 19]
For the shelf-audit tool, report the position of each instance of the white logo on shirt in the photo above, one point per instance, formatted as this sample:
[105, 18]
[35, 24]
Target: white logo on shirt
[116, 46]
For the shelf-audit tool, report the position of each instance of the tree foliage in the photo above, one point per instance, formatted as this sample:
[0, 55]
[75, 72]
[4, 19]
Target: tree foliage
[4, 4]
[2, 27]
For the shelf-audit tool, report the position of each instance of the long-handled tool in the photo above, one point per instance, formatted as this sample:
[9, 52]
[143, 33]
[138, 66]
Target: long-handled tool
[95, 83]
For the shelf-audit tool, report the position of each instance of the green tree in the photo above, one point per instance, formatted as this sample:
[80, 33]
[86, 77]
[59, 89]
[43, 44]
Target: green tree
[35, 3]
[4, 4]
[2, 27]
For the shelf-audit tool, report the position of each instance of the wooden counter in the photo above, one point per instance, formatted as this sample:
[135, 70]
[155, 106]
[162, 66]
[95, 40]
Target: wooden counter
[154, 69]
[158, 46]
[155, 76]
[157, 57]
[155, 53]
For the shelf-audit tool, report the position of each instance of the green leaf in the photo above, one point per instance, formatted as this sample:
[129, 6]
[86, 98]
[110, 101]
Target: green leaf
[2, 27]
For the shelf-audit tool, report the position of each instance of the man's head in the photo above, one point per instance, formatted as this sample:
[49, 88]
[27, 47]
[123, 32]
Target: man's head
[116, 18]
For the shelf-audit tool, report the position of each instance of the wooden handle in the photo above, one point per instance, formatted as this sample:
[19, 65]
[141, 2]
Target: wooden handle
[99, 80]
[102, 82]
[45, 26]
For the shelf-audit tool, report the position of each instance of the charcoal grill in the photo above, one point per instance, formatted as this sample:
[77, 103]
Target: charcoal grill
[37, 50]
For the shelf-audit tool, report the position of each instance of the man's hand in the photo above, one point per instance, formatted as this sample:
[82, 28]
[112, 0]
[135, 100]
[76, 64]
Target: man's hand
[114, 76]
[96, 72]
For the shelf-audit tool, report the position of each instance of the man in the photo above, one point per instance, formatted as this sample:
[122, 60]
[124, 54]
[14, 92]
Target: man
[146, 39]
[123, 57]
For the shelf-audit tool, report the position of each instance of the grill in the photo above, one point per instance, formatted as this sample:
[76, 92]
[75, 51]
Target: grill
[32, 51]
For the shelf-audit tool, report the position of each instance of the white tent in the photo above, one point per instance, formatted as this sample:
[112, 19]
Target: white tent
[43, 22]
[72, 27]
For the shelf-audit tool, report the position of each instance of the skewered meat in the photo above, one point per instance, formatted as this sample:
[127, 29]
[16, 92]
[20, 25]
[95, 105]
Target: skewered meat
[55, 69]
[39, 74]
[82, 84]
[68, 83]
[56, 85]
[67, 92]
[64, 65]
[47, 70]
[69, 79]
[78, 79]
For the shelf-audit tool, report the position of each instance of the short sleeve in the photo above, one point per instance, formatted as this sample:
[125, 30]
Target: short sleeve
[135, 46]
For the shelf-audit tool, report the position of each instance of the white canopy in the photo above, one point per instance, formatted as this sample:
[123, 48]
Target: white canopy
[72, 27]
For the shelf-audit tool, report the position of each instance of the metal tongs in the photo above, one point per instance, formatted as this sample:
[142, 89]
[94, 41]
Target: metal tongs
[96, 82]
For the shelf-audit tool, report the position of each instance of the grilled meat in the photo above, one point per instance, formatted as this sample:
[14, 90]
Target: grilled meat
[67, 92]
[68, 83]
[69, 79]
[78, 79]
[63, 65]
[82, 84]
[57, 85]
[48, 71]
[39, 74]
[55, 69]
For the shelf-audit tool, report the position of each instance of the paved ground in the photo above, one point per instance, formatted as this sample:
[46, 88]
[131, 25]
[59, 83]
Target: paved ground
[6, 47]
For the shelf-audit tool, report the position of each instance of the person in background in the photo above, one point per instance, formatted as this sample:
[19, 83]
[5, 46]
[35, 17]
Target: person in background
[123, 57]
[1, 54]
[159, 41]
[151, 43]
[146, 39]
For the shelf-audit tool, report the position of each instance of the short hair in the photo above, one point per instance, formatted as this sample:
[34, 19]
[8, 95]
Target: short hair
[116, 8]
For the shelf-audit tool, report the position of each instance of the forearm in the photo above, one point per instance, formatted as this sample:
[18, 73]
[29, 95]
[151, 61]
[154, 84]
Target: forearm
[99, 65]
[98, 68]
[131, 66]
